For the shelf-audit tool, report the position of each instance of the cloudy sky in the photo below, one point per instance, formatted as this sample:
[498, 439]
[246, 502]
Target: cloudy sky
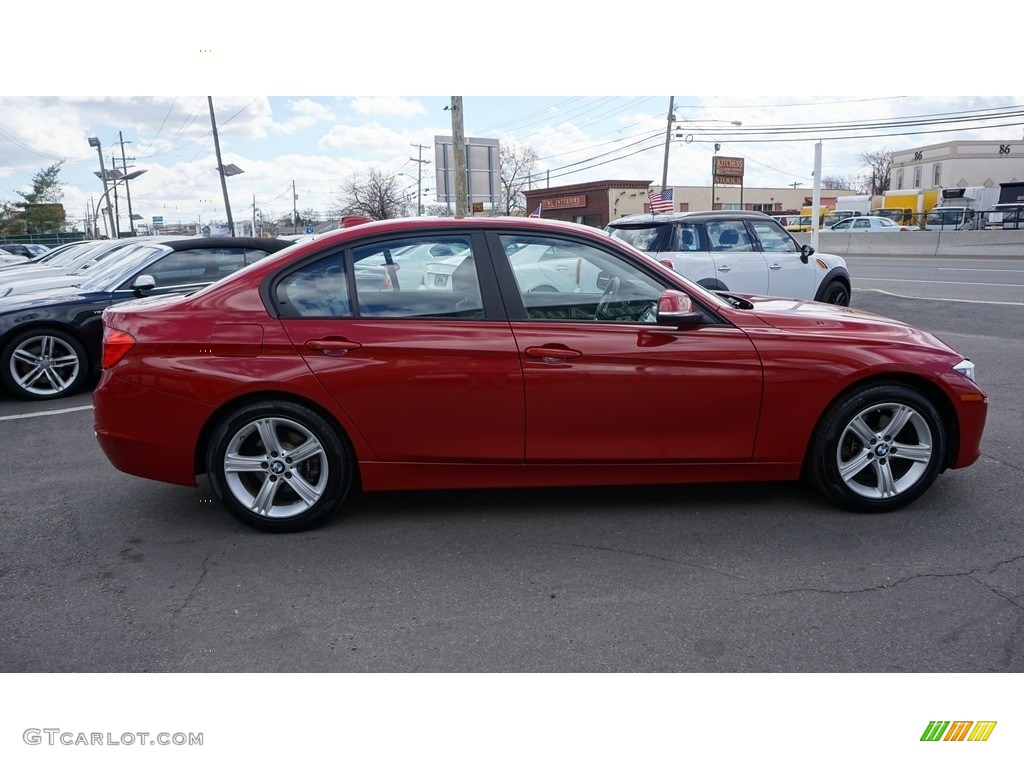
[317, 142]
[520, 85]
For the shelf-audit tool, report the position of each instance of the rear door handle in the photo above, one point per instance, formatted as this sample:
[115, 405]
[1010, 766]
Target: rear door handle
[775, 266]
[332, 346]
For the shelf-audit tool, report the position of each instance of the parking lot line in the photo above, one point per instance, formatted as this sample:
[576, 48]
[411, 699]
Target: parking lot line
[45, 413]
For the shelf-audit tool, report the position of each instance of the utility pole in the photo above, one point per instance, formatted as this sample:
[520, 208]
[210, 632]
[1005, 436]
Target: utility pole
[419, 177]
[220, 168]
[668, 140]
[117, 209]
[459, 142]
[127, 192]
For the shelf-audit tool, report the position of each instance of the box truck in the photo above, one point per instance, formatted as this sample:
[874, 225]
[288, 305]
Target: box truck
[962, 208]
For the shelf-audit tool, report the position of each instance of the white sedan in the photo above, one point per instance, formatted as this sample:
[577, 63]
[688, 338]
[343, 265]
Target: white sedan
[868, 224]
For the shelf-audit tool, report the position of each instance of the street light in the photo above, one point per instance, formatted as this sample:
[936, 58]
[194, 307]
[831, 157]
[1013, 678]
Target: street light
[124, 179]
[688, 137]
[95, 142]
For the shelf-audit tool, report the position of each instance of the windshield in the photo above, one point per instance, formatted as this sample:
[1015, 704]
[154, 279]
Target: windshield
[107, 275]
[945, 218]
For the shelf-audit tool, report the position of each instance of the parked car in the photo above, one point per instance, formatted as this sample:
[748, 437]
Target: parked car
[291, 385]
[50, 340]
[739, 251]
[6, 257]
[53, 256]
[857, 224]
[31, 251]
[74, 267]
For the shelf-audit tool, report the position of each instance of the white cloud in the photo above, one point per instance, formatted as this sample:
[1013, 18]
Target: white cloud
[391, 106]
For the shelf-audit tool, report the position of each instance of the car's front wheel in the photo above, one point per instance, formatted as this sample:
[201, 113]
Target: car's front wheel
[836, 293]
[279, 466]
[43, 364]
[877, 448]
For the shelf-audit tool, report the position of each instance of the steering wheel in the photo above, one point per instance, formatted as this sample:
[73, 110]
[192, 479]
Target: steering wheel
[610, 292]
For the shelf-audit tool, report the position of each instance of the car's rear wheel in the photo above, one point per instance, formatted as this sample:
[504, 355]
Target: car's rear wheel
[877, 448]
[836, 293]
[279, 466]
[43, 364]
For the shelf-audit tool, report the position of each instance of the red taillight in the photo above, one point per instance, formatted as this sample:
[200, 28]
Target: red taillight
[116, 344]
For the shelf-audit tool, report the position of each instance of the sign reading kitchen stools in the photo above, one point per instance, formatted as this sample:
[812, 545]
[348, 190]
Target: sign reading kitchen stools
[728, 170]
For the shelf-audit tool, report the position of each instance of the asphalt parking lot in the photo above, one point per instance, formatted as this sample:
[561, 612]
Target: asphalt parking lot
[102, 572]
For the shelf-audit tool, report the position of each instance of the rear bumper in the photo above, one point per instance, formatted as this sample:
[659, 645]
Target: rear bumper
[146, 432]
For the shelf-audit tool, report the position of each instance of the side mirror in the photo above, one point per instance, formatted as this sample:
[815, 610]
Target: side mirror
[144, 283]
[806, 251]
[676, 308]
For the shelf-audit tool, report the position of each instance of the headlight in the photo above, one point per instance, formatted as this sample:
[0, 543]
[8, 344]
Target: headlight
[965, 367]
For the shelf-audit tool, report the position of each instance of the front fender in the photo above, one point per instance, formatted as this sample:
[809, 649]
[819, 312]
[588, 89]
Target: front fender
[836, 273]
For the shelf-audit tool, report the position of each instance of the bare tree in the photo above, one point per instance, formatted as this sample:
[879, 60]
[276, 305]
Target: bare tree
[375, 194]
[879, 165]
[517, 165]
[842, 182]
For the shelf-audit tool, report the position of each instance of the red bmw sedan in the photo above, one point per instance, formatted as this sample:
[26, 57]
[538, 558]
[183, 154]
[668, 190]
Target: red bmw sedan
[296, 381]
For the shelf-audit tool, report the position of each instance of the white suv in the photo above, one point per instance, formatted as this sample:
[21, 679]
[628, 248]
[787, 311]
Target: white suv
[737, 251]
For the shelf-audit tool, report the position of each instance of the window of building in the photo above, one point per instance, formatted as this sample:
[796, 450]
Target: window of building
[936, 174]
[917, 177]
[899, 179]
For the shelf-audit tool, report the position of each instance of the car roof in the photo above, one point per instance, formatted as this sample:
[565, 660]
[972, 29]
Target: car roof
[416, 224]
[689, 216]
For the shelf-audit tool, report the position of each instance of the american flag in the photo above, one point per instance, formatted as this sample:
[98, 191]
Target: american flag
[661, 202]
[536, 213]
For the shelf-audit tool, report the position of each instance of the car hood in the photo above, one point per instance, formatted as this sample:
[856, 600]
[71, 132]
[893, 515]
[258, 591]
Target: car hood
[38, 299]
[812, 317]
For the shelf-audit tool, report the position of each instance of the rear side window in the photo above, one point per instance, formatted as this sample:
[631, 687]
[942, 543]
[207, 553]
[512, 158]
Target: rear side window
[729, 236]
[652, 238]
[426, 277]
[319, 289]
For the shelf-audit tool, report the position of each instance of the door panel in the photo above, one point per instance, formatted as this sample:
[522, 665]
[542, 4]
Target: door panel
[623, 393]
[421, 390]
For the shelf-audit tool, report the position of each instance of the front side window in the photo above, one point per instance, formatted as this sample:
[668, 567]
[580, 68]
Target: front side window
[774, 239]
[567, 280]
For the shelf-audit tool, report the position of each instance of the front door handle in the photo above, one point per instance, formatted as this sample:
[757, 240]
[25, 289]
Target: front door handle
[552, 354]
[775, 266]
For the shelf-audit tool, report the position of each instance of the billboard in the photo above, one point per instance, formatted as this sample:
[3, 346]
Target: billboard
[483, 170]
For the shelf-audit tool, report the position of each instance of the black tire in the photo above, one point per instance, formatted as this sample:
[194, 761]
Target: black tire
[43, 364]
[836, 293]
[856, 460]
[260, 485]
